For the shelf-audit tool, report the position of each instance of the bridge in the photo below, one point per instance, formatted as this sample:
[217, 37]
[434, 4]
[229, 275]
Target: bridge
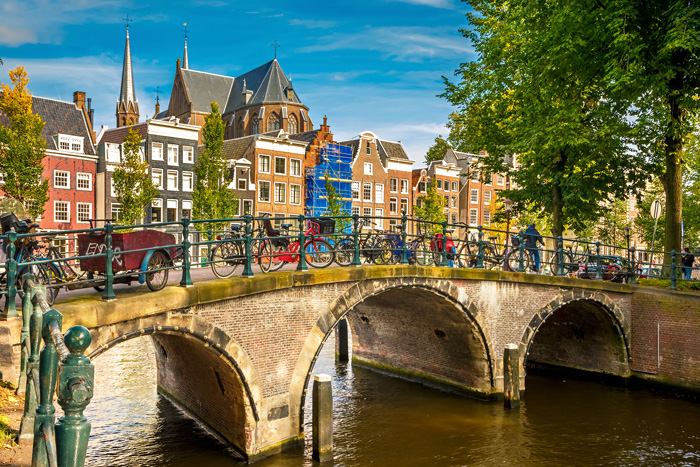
[238, 353]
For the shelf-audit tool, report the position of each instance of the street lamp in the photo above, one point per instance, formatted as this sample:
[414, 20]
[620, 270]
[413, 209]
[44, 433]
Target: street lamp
[628, 229]
[509, 207]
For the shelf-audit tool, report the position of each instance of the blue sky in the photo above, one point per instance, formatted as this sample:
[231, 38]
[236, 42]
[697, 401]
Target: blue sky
[367, 65]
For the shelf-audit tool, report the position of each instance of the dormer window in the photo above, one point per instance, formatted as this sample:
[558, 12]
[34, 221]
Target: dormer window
[70, 143]
[290, 94]
[369, 149]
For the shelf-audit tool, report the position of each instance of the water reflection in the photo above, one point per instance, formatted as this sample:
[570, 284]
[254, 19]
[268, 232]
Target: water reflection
[379, 420]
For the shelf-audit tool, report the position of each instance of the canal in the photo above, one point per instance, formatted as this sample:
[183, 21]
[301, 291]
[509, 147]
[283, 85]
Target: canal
[381, 421]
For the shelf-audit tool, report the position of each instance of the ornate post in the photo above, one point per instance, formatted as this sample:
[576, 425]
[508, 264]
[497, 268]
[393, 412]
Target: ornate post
[186, 280]
[108, 293]
[31, 397]
[210, 235]
[27, 309]
[521, 248]
[248, 265]
[633, 266]
[480, 254]
[356, 240]
[10, 307]
[301, 266]
[560, 256]
[673, 269]
[598, 272]
[74, 393]
[404, 247]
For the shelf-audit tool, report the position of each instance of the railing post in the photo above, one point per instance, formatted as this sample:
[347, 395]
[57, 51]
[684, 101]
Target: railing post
[248, 265]
[108, 293]
[480, 253]
[186, 280]
[560, 256]
[673, 269]
[10, 307]
[301, 266]
[521, 248]
[598, 272]
[356, 240]
[633, 266]
[31, 396]
[404, 237]
[209, 239]
[44, 434]
[443, 240]
[27, 310]
[75, 388]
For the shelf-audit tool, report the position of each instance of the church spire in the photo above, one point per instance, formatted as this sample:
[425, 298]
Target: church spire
[127, 107]
[185, 59]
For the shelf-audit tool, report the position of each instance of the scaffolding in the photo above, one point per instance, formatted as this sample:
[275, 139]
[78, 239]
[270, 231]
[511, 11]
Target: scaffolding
[336, 161]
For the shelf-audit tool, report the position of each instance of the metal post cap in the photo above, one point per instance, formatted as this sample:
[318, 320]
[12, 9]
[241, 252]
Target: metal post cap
[77, 339]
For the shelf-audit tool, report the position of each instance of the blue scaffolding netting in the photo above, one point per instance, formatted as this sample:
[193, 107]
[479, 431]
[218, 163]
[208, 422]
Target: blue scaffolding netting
[336, 162]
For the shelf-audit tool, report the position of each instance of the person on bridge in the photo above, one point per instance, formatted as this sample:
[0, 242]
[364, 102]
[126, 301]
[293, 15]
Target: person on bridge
[687, 261]
[532, 237]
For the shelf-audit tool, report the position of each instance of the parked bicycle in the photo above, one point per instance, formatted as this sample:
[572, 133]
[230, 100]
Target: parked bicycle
[374, 246]
[276, 250]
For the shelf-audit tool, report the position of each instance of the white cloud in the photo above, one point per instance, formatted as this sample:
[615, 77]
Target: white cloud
[447, 4]
[13, 37]
[313, 24]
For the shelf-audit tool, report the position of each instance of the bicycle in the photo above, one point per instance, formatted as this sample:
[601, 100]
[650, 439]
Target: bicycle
[573, 257]
[418, 249]
[225, 256]
[277, 250]
[373, 246]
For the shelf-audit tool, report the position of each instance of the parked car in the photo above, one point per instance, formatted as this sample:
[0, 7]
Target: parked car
[647, 272]
[611, 269]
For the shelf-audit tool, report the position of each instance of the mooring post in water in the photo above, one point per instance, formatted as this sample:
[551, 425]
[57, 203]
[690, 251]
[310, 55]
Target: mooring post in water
[341, 342]
[322, 418]
[511, 377]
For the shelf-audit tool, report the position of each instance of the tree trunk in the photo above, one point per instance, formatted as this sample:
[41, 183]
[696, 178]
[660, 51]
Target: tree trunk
[557, 211]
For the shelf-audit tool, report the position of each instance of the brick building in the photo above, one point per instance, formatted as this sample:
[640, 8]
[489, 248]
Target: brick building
[446, 177]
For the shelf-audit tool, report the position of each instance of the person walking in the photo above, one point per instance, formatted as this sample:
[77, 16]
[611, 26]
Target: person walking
[687, 261]
[532, 237]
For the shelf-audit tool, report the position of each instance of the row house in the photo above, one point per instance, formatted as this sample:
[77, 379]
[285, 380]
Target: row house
[446, 177]
[381, 178]
[170, 148]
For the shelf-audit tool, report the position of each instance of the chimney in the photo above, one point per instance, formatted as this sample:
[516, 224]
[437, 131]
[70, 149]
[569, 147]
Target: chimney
[324, 127]
[245, 95]
[79, 101]
[91, 112]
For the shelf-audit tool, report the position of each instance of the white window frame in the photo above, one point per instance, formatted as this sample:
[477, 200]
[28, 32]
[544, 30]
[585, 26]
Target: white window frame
[404, 205]
[284, 172]
[365, 185]
[244, 183]
[292, 187]
[111, 211]
[393, 205]
[356, 189]
[292, 171]
[55, 211]
[157, 149]
[474, 196]
[173, 149]
[262, 157]
[157, 203]
[369, 169]
[75, 143]
[473, 216]
[154, 171]
[487, 216]
[184, 205]
[274, 195]
[454, 202]
[404, 186]
[114, 153]
[378, 192]
[454, 186]
[77, 212]
[189, 175]
[269, 191]
[500, 179]
[55, 175]
[177, 181]
[367, 212]
[78, 180]
[355, 210]
[188, 154]
[177, 209]
[487, 197]
[248, 202]
[379, 223]
[394, 185]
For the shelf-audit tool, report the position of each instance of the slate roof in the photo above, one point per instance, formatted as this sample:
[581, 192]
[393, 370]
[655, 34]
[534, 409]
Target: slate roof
[392, 150]
[59, 117]
[116, 135]
[306, 137]
[235, 148]
[203, 88]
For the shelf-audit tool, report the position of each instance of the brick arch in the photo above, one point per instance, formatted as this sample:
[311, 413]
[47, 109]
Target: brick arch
[604, 303]
[360, 292]
[186, 326]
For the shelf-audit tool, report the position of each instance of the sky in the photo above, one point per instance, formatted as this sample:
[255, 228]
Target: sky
[367, 65]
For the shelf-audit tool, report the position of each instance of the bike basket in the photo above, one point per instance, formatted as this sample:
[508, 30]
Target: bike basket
[515, 241]
[9, 222]
[322, 225]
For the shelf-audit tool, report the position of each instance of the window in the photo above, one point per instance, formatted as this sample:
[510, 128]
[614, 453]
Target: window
[454, 202]
[487, 216]
[84, 181]
[292, 126]
[368, 168]
[474, 196]
[295, 167]
[171, 211]
[256, 124]
[404, 205]
[172, 154]
[172, 180]
[280, 166]
[367, 212]
[447, 201]
[419, 202]
[487, 197]
[379, 193]
[500, 180]
[116, 212]
[368, 150]
[157, 176]
[273, 122]
[113, 153]
[355, 210]
[187, 181]
[438, 183]
[277, 222]
[454, 186]
[188, 154]
[61, 211]
[475, 175]
[294, 194]
[84, 212]
[187, 208]
[394, 185]
[393, 205]
[404, 186]
[264, 164]
[70, 143]
[379, 223]
[473, 216]
[264, 191]
[454, 218]
[280, 192]
[367, 192]
[61, 179]
[242, 183]
[356, 190]
[157, 151]
[112, 190]
[422, 187]
[247, 206]
[157, 210]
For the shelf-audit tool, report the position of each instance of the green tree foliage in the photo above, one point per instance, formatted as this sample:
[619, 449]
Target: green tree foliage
[431, 208]
[437, 151]
[133, 184]
[535, 91]
[22, 148]
[211, 198]
[335, 205]
[611, 227]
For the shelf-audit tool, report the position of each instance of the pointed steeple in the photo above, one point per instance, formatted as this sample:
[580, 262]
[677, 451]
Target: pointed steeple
[185, 59]
[127, 107]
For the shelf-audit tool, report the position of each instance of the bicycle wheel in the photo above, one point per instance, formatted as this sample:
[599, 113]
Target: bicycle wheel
[319, 253]
[465, 258]
[344, 252]
[513, 261]
[423, 254]
[567, 263]
[491, 260]
[385, 252]
[269, 259]
[225, 259]
[157, 279]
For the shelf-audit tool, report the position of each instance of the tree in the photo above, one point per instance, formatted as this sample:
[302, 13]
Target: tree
[536, 92]
[431, 208]
[133, 184]
[335, 205]
[611, 227]
[211, 198]
[437, 151]
[22, 148]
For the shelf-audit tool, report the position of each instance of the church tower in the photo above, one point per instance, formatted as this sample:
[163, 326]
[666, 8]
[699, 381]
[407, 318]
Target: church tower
[185, 58]
[128, 106]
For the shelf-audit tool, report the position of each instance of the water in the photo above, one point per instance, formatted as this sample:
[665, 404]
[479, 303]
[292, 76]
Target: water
[385, 421]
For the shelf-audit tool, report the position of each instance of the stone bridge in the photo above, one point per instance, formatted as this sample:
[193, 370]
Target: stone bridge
[237, 353]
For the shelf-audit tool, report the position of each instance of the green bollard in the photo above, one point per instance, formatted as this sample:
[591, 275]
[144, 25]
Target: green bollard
[521, 248]
[10, 307]
[31, 397]
[301, 266]
[480, 254]
[27, 309]
[356, 240]
[248, 265]
[108, 293]
[186, 280]
[404, 247]
[74, 393]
